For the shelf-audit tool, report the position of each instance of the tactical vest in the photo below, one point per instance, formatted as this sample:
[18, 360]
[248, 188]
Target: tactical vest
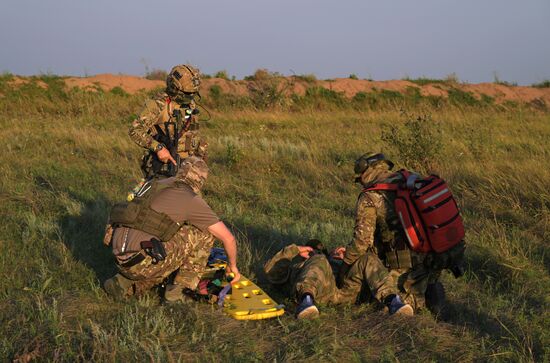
[138, 213]
[178, 131]
[390, 239]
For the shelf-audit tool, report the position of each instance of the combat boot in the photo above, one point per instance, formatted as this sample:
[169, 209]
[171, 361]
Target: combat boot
[306, 309]
[119, 287]
[176, 293]
[397, 307]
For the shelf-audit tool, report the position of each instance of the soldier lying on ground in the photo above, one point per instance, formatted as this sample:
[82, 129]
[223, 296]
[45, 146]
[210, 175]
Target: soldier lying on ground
[310, 271]
[168, 127]
[167, 229]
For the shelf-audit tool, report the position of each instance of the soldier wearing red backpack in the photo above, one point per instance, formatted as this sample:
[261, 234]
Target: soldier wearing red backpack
[413, 225]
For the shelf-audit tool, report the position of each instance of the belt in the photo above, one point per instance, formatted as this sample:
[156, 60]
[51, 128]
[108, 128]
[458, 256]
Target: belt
[132, 261]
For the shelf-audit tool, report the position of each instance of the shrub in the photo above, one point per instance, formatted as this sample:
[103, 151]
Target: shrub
[353, 76]
[222, 74]
[543, 84]
[417, 142]
[309, 78]
[459, 97]
[422, 81]
[232, 154]
[119, 91]
[156, 75]
[266, 89]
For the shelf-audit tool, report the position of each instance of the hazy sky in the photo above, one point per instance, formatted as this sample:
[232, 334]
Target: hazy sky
[386, 39]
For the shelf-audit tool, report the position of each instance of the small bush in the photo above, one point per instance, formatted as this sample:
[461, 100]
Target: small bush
[543, 84]
[119, 91]
[309, 78]
[422, 81]
[460, 98]
[417, 143]
[215, 91]
[353, 76]
[156, 75]
[232, 154]
[266, 89]
[222, 74]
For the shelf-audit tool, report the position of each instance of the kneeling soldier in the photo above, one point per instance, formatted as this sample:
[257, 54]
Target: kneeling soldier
[167, 228]
[310, 271]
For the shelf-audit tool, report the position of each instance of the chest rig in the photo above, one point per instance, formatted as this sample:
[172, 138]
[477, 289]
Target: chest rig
[177, 130]
[138, 213]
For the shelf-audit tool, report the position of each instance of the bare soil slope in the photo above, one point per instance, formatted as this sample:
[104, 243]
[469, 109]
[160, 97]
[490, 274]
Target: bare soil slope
[348, 87]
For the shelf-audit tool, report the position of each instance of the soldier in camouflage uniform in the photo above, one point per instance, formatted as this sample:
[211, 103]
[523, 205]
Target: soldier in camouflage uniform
[168, 126]
[168, 229]
[310, 273]
[378, 230]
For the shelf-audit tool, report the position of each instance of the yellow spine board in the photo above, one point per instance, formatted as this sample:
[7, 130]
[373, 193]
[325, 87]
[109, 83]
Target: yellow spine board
[248, 302]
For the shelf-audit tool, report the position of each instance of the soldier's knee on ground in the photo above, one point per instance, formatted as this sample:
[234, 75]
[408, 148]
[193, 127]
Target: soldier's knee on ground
[119, 287]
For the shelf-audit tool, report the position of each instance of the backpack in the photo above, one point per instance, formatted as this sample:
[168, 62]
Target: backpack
[427, 210]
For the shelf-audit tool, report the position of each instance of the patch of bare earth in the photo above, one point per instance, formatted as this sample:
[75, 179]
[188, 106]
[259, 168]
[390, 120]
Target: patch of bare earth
[349, 87]
[107, 82]
[20, 81]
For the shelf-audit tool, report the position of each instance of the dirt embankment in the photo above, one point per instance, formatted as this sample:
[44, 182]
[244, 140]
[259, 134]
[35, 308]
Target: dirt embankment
[348, 87]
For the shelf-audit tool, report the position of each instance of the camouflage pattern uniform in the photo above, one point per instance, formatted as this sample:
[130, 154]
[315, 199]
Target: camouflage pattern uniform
[378, 230]
[186, 252]
[316, 276]
[171, 109]
[186, 255]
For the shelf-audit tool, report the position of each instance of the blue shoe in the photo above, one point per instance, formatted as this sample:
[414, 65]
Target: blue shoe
[396, 306]
[306, 309]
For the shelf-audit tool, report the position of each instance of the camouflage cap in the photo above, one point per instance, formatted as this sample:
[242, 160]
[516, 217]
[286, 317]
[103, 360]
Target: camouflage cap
[193, 171]
[183, 78]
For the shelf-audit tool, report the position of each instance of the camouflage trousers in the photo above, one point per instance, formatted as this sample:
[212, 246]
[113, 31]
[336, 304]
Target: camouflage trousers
[413, 283]
[186, 255]
[317, 278]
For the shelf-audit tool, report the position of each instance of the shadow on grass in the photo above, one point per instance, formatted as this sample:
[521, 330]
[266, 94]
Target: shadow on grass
[83, 235]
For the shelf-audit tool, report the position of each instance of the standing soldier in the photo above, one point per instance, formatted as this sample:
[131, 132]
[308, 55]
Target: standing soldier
[168, 126]
[378, 229]
[310, 273]
[167, 229]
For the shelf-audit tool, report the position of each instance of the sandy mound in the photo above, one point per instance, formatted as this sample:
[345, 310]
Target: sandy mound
[294, 85]
[130, 84]
[19, 81]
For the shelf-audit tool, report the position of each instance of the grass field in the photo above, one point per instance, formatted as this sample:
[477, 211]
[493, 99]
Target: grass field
[277, 177]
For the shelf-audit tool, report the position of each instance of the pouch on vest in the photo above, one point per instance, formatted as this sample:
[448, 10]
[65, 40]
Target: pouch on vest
[399, 259]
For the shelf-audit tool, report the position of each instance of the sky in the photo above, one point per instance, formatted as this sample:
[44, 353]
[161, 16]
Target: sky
[478, 40]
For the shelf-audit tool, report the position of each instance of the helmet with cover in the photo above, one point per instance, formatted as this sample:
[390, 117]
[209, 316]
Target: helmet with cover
[183, 79]
[369, 161]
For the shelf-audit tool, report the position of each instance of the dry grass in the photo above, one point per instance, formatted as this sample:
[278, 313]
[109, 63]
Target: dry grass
[277, 178]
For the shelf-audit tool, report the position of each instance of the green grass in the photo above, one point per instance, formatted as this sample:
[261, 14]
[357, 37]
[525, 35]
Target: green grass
[277, 177]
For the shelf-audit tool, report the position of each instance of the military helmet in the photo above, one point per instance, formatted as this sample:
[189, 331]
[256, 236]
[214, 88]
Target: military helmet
[183, 78]
[368, 160]
[193, 171]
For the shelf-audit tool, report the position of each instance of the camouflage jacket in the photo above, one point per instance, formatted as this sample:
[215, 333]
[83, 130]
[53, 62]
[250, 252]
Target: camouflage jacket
[377, 225]
[158, 111]
[285, 266]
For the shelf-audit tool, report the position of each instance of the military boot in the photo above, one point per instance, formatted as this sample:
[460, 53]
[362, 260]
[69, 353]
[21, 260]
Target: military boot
[119, 287]
[177, 293]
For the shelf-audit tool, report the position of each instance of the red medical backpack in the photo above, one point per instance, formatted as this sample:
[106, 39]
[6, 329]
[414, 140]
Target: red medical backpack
[427, 211]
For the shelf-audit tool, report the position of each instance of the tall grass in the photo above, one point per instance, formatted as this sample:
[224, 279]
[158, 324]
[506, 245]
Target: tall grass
[278, 177]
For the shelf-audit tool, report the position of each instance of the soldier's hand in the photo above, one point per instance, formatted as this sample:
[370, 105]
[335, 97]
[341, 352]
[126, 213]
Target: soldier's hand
[304, 251]
[164, 156]
[234, 271]
[338, 253]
